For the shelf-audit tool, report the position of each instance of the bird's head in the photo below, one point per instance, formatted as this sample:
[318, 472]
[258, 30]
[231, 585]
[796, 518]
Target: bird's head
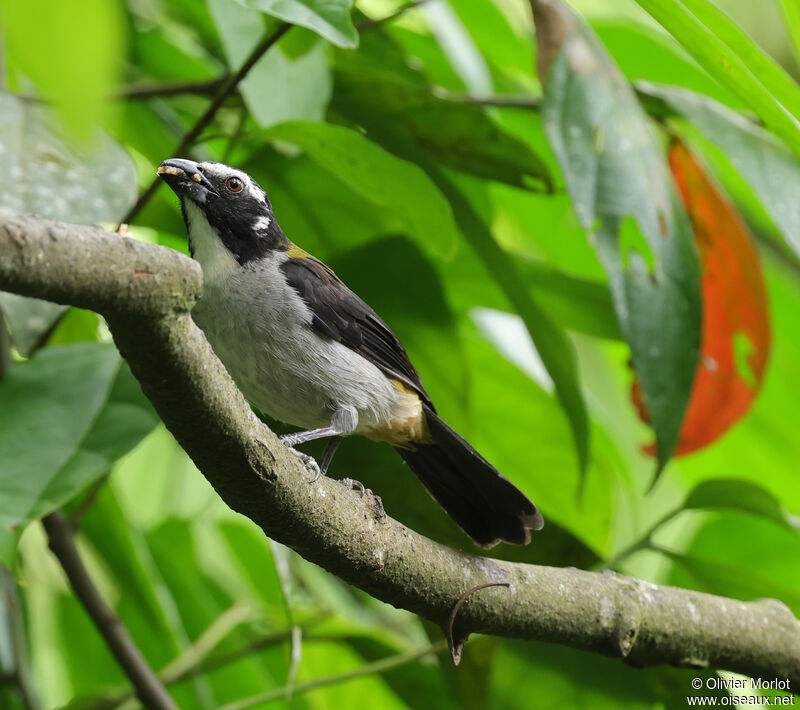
[222, 207]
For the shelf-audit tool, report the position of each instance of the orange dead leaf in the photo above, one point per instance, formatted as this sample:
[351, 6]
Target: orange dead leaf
[736, 336]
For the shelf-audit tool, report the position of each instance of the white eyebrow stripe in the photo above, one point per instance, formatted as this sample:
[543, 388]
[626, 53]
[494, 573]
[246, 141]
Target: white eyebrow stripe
[255, 191]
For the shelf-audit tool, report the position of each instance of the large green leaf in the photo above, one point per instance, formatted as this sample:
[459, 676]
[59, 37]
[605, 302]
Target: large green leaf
[622, 191]
[66, 416]
[791, 12]
[740, 556]
[329, 18]
[577, 304]
[536, 674]
[72, 52]
[726, 53]
[459, 135]
[768, 71]
[278, 88]
[29, 320]
[628, 41]
[743, 496]
[771, 169]
[43, 173]
[378, 176]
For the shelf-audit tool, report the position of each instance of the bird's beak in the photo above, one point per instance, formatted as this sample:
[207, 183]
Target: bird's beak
[186, 179]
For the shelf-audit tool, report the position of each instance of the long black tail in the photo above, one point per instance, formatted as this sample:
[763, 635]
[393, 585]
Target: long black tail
[488, 507]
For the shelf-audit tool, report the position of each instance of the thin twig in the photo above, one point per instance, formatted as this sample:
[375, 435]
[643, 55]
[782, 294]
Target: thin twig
[644, 542]
[457, 647]
[227, 87]
[529, 103]
[169, 89]
[149, 688]
[381, 666]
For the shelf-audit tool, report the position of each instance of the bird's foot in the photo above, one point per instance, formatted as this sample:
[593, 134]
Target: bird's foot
[352, 484]
[309, 462]
[377, 503]
[291, 440]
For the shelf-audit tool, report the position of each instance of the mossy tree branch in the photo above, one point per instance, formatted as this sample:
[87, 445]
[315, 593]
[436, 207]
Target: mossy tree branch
[146, 293]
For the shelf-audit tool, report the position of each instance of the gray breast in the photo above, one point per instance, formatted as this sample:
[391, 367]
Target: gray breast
[261, 330]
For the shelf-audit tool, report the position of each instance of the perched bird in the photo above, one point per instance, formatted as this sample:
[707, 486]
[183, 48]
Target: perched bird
[305, 350]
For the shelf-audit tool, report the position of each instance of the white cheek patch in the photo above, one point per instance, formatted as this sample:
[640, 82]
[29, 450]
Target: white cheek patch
[214, 258]
[261, 224]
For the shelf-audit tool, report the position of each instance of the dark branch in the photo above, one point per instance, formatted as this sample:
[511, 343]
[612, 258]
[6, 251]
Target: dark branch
[167, 90]
[146, 292]
[145, 682]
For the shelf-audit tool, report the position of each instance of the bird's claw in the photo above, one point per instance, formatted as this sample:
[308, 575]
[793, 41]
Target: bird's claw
[309, 462]
[377, 503]
[351, 483]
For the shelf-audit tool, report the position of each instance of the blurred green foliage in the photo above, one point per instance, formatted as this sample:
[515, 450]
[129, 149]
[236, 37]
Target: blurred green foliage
[384, 153]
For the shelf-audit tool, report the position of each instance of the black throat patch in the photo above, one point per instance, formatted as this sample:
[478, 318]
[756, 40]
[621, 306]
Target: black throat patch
[248, 231]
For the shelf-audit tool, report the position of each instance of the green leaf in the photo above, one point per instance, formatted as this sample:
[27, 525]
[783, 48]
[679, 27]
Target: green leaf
[558, 676]
[576, 303]
[245, 543]
[628, 41]
[328, 18]
[72, 52]
[791, 13]
[42, 173]
[740, 495]
[462, 136]
[622, 191]
[743, 557]
[772, 75]
[279, 87]
[29, 320]
[66, 416]
[733, 66]
[552, 343]
[772, 170]
[378, 176]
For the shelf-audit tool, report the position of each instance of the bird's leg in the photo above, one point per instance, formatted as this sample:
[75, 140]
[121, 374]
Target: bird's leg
[327, 457]
[344, 421]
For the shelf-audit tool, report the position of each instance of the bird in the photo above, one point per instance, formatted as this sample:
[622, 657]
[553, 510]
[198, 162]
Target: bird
[307, 351]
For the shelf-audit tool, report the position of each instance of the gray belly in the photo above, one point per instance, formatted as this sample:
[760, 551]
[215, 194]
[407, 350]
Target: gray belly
[260, 329]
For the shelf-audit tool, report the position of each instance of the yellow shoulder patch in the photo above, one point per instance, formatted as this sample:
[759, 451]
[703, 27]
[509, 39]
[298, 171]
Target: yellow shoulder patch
[295, 252]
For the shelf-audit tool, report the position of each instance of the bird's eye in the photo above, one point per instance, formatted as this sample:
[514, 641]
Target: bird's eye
[234, 184]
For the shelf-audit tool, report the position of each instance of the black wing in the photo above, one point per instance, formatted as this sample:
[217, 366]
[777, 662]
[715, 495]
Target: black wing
[342, 316]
